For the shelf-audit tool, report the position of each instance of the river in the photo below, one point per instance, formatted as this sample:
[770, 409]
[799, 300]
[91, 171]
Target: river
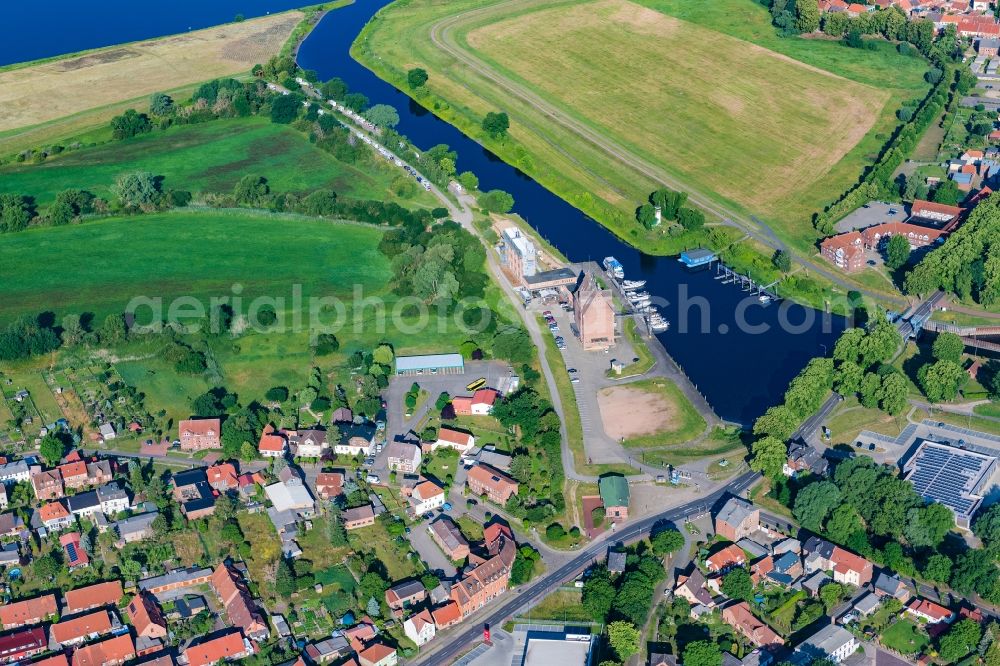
[740, 372]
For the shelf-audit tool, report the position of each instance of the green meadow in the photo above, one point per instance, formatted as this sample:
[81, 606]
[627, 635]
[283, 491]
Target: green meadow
[207, 157]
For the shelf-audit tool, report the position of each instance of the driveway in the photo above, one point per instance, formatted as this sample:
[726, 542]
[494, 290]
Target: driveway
[429, 551]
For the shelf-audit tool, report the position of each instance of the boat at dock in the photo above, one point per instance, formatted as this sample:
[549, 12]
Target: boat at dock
[614, 268]
[633, 284]
[658, 324]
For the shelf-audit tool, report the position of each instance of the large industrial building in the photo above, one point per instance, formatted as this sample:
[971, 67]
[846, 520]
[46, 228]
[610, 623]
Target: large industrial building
[952, 476]
[543, 648]
[517, 254]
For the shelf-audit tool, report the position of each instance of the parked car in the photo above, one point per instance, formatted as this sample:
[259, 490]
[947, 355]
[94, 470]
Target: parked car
[372, 478]
[446, 506]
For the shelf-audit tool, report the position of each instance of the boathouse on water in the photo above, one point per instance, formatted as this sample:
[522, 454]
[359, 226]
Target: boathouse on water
[697, 257]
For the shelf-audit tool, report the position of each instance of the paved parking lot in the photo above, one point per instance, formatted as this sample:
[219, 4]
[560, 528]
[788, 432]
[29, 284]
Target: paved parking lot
[429, 552]
[591, 368]
[876, 212]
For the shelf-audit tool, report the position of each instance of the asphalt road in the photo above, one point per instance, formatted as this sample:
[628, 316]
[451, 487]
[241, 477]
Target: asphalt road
[472, 629]
[922, 311]
[810, 425]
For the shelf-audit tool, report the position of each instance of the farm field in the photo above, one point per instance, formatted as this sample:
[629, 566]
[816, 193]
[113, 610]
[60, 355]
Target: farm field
[207, 157]
[62, 87]
[765, 126]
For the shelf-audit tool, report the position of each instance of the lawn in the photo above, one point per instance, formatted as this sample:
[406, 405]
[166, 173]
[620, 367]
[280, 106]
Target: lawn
[850, 418]
[564, 604]
[62, 87]
[718, 443]
[905, 637]
[393, 553]
[768, 126]
[99, 266]
[202, 158]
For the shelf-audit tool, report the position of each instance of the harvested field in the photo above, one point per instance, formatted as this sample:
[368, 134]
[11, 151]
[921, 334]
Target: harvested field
[40, 93]
[688, 95]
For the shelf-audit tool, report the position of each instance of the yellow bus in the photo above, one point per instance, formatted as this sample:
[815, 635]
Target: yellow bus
[476, 385]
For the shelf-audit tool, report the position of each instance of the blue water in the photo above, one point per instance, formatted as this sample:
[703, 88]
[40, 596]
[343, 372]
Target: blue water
[32, 30]
[740, 373]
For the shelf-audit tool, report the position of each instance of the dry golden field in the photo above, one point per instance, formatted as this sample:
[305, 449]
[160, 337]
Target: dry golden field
[102, 78]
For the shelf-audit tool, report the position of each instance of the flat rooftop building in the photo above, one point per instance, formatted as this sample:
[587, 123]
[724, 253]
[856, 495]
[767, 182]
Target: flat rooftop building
[565, 649]
[951, 476]
[431, 364]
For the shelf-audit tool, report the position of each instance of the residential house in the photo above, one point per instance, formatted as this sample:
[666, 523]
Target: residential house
[11, 525]
[404, 595]
[14, 472]
[21, 645]
[353, 446]
[447, 535]
[175, 580]
[739, 617]
[937, 214]
[55, 517]
[3, 496]
[725, 559]
[74, 474]
[850, 568]
[136, 528]
[804, 458]
[109, 652]
[616, 561]
[832, 642]
[329, 484]
[378, 654]
[483, 401]
[494, 484]
[146, 616]
[238, 602]
[454, 439]
[615, 497]
[200, 434]
[226, 646]
[426, 496]
[929, 611]
[813, 583]
[92, 596]
[28, 611]
[446, 615]
[361, 516]
[272, 443]
[419, 628]
[403, 457]
[113, 499]
[10, 554]
[222, 477]
[325, 651]
[192, 492]
[99, 473]
[308, 443]
[48, 485]
[85, 504]
[845, 251]
[79, 629]
[917, 236]
[486, 581]
[737, 519]
[76, 556]
[781, 569]
[887, 585]
[692, 586]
